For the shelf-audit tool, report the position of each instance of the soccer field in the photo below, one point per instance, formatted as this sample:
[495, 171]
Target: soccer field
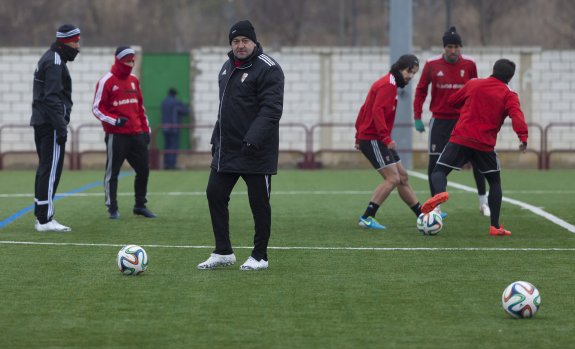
[330, 284]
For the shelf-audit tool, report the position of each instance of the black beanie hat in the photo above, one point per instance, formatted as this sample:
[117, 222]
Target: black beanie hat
[68, 33]
[124, 51]
[504, 70]
[243, 28]
[450, 37]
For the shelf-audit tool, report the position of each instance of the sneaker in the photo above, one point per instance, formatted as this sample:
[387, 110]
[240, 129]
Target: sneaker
[484, 209]
[498, 231]
[369, 223]
[436, 200]
[113, 214]
[217, 260]
[253, 264]
[143, 211]
[53, 225]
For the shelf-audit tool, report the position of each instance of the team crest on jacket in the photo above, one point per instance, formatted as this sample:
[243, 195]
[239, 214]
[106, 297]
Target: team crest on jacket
[244, 76]
[115, 88]
[224, 72]
[133, 86]
[462, 73]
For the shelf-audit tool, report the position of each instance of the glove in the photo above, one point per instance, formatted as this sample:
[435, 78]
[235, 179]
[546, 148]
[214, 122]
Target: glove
[523, 146]
[248, 149]
[419, 125]
[146, 137]
[61, 139]
[121, 121]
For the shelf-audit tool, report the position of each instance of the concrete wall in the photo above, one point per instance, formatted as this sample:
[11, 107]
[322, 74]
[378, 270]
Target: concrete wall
[322, 85]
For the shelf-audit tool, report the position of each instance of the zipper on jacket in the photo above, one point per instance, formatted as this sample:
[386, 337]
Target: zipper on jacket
[220, 111]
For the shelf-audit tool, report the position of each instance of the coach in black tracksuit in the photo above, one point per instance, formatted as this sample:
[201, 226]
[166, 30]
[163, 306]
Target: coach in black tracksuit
[51, 107]
[245, 139]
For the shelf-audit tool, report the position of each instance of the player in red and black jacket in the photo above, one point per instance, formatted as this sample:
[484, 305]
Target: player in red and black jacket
[484, 105]
[447, 73]
[119, 105]
[373, 138]
[51, 107]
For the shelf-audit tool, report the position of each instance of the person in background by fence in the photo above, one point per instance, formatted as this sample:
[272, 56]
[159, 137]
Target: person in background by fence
[484, 105]
[373, 138]
[245, 143]
[447, 73]
[173, 110]
[119, 105]
[51, 107]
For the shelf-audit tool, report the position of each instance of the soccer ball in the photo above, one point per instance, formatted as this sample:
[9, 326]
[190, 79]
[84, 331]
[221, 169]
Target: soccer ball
[521, 299]
[430, 223]
[132, 260]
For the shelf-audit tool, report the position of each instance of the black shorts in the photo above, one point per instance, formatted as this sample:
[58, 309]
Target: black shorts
[378, 153]
[455, 156]
[439, 133]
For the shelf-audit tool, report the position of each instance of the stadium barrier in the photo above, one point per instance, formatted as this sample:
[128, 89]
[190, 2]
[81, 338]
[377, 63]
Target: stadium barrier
[307, 143]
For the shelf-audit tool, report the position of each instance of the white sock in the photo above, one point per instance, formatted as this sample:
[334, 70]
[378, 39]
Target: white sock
[482, 199]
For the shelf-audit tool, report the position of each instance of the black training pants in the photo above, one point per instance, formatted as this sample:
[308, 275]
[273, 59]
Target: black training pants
[50, 164]
[220, 186]
[134, 148]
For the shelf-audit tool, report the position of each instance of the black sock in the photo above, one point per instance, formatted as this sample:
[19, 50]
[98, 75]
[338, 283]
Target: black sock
[416, 209]
[371, 210]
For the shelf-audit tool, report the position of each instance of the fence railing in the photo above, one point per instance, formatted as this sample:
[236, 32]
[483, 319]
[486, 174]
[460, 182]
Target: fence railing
[313, 143]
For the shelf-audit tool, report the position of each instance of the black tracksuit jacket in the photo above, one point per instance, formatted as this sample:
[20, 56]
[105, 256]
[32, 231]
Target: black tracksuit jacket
[52, 92]
[251, 104]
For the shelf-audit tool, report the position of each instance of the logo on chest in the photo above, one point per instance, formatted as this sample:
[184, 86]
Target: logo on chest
[244, 76]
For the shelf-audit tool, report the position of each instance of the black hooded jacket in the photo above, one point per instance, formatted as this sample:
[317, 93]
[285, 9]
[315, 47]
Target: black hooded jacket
[52, 91]
[251, 104]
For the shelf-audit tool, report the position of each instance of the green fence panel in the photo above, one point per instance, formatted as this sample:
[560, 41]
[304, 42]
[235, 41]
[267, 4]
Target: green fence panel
[160, 71]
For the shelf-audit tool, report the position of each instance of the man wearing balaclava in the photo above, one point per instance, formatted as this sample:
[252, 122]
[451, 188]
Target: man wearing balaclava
[446, 73]
[51, 107]
[119, 105]
[245, 143]
[484, 105]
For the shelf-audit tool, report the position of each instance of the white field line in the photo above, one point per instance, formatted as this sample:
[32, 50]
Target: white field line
[290, 192]
[317, 248]
[536, 210]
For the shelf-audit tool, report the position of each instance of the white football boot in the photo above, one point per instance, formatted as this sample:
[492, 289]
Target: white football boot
[217, 260]
[53, 225]
[252, 264]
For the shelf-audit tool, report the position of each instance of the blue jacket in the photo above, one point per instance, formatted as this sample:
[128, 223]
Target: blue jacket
[172, 112]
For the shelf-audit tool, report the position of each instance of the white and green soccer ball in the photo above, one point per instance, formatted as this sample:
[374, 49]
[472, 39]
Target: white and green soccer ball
[132, 260]
[429, 223]
[521, 299]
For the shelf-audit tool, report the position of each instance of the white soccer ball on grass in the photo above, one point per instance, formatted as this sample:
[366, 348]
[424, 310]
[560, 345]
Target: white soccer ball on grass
[429, 223]
[521, 299]
[132, 260]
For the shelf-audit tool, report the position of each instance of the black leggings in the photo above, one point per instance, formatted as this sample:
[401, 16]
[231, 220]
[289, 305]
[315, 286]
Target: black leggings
[439, 185]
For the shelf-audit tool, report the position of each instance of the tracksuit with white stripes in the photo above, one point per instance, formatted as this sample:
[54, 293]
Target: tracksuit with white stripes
[118, 95]
[51, 106]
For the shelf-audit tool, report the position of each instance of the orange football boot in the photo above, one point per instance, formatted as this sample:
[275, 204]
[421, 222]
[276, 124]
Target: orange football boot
[435, 201]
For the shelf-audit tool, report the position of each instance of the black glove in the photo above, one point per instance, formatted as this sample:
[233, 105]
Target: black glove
[121, 121]
[248, 148]
[61, 139]
[146, 137]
